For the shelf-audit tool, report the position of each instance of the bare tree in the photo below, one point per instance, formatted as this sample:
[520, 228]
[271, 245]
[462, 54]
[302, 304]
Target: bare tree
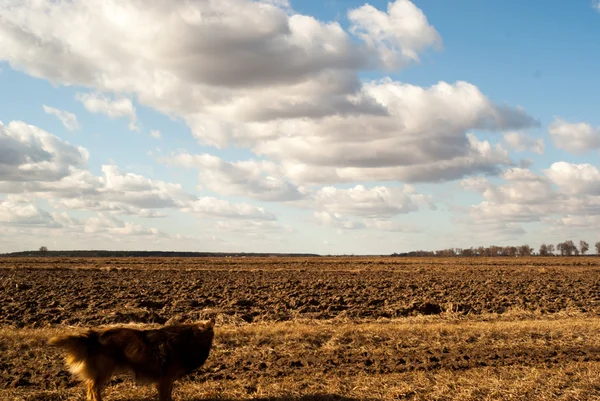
[467, 252]
[583, 246]
[567, 248]
[43, 249]
[525, 250]
[551, 249]
[598, 248]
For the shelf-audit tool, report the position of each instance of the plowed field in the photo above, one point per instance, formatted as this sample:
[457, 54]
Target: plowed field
[284, 322]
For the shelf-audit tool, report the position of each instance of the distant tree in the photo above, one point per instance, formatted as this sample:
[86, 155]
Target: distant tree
[544, 250]
[564, 249]
[551, 249]
[567, 248]
[598, 248]
[524, 250]
[468, 252]
[43, 249]
[583, 246]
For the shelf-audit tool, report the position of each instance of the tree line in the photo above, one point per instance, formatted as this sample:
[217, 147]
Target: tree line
[566, 248]
[43, 251]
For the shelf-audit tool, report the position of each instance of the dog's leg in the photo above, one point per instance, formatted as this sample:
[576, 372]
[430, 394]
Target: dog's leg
[94, 391]
[98, 371]
[165, 388]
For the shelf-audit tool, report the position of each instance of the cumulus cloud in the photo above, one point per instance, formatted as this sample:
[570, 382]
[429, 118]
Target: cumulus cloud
[90, 204]
[375, 203]
[524, 197]
[576, 179]
[109, 224]
[596, 5]
[423, 137]
[101, 232]
[212, 207]
[342, 223]
[69, 120]
[390, 225]
[28, 153]
[28, 216]
[398, 35]
[100, 104]
[576, 138]
[253, 228]
[338, 221]
[25, 214]
[260, 76]
[35, 164]
[579, 222]
[522, 142]
[565, 193]
[257, 179]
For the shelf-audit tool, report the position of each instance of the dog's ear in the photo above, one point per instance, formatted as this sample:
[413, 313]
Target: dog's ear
[209, 324]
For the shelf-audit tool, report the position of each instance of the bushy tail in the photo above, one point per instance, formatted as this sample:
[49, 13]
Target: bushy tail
[76, 346]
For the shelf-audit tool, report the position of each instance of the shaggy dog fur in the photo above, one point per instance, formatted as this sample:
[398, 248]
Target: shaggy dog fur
[158, 356]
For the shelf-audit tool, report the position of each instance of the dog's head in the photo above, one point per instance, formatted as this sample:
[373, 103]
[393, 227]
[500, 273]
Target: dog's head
[204, 331]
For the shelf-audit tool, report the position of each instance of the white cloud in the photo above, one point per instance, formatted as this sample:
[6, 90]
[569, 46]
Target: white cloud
[390, 225]
[105, 223]
[376, 203]
[575, 178]
[35, 164]
[566, 193]
[575, 138]
[208, 206]
[596, 5]
[260, 76]
[25, 214]
[99, 104]
[253, 228]
[69, 120]
[253, 178]
[524, 197]
[581, 222]
[28, 153]
[398, 35]
[522, 142]
[423, 137]
[338, 221]
[104, 206]
[155, 134]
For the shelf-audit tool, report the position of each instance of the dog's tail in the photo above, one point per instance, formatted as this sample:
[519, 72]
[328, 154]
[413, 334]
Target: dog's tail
[77, 347]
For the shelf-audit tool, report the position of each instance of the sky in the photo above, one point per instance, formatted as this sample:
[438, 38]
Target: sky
[330, 127]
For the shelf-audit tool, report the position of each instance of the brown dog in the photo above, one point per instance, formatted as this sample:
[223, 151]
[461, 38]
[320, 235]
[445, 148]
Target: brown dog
[159, 355]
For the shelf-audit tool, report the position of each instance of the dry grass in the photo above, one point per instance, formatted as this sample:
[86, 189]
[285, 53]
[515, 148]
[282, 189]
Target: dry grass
[556, 359]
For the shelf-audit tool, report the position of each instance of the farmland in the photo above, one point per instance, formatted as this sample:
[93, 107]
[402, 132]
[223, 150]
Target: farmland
[320, 328]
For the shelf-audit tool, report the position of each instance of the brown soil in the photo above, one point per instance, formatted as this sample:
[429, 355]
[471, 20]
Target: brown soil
[96, 291]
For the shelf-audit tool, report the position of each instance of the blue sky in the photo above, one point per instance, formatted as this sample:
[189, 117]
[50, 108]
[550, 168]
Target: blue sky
[314, 126]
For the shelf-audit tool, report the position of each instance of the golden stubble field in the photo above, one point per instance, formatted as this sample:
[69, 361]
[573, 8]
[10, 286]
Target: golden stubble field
[320, 328]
